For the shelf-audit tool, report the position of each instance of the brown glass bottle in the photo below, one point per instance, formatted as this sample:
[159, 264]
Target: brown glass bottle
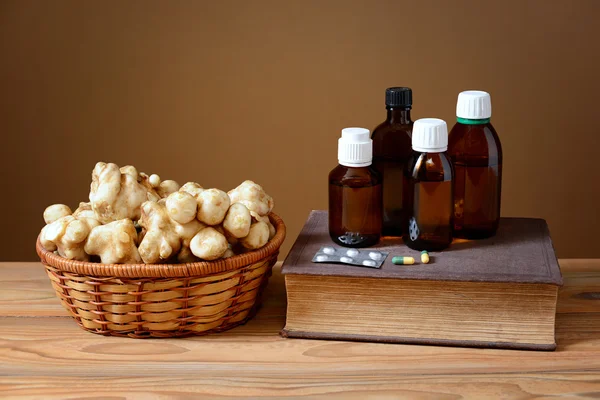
[355, 192]
[391, 151]
[355, 206]
[428, 195]
[475, 150]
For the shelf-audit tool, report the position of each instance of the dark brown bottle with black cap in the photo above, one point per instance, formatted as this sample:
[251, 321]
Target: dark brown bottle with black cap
[391, 151]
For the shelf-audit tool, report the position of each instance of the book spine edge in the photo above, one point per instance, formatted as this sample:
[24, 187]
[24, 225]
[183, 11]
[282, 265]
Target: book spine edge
[294, 334]
[550, 253]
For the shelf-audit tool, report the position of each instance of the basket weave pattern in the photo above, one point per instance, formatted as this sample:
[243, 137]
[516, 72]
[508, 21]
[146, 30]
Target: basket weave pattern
[142, 301]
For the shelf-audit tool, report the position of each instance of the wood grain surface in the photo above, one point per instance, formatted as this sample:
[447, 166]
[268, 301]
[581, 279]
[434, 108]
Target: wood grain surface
[43, 354]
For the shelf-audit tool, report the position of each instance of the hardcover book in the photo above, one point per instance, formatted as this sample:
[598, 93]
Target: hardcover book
[498, 292]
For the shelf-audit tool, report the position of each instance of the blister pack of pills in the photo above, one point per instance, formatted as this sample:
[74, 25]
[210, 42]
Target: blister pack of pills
[370, 258]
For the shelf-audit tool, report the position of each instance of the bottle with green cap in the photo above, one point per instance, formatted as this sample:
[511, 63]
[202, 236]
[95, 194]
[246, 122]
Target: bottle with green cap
[475, 150]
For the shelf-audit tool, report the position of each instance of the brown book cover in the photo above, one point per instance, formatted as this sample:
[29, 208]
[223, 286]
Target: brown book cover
[510, 279]
[521, 252]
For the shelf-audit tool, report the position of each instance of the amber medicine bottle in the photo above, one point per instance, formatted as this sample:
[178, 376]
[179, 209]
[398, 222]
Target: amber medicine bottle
[428, 194]
[475, 150]
[391, 151]
[355, 192]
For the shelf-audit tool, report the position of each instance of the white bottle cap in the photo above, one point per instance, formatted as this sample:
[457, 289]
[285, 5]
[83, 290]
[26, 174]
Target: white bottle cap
[355, 147]
[474, 104]
[430, 135]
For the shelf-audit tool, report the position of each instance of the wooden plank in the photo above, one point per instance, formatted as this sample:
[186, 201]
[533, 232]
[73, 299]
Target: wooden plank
[47, 356]
[581, 289]
[253, 361]
[576, 265]
[52, 347]
[25, 291]
[309, 386]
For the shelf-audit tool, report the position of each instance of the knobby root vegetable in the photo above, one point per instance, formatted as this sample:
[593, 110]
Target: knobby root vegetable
[192, 188]
[258, 236]
[228, 253]
[266, 220]
[115, 195]
[84, 211]
[212, 206]
[160, 241]
[56, 211]
[169, 222]
[182, 207]
[237, 221]
[114, 242]
[253, 197]
[163, 236]
[209, 244]
[167, 187]
[186, 232]
[67, 235]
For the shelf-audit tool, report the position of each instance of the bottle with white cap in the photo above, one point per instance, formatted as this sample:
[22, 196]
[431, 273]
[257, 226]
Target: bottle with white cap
[475, 150]
[428, 194]
[355, 192]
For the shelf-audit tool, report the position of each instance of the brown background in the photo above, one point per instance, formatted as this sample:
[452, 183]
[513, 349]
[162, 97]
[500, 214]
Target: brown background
[219, 92]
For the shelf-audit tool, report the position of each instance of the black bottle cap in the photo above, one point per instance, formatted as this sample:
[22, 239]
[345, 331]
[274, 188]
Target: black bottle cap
[398, 97]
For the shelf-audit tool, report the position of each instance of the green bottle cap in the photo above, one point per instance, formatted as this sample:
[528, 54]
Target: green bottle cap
[467, 121]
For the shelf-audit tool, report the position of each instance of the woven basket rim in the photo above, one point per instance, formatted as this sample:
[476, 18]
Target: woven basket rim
[202, 268]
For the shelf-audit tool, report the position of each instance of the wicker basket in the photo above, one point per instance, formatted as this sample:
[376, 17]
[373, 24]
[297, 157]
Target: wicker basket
[143, 301]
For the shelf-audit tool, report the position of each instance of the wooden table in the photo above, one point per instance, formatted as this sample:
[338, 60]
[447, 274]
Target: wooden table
[44, 354]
